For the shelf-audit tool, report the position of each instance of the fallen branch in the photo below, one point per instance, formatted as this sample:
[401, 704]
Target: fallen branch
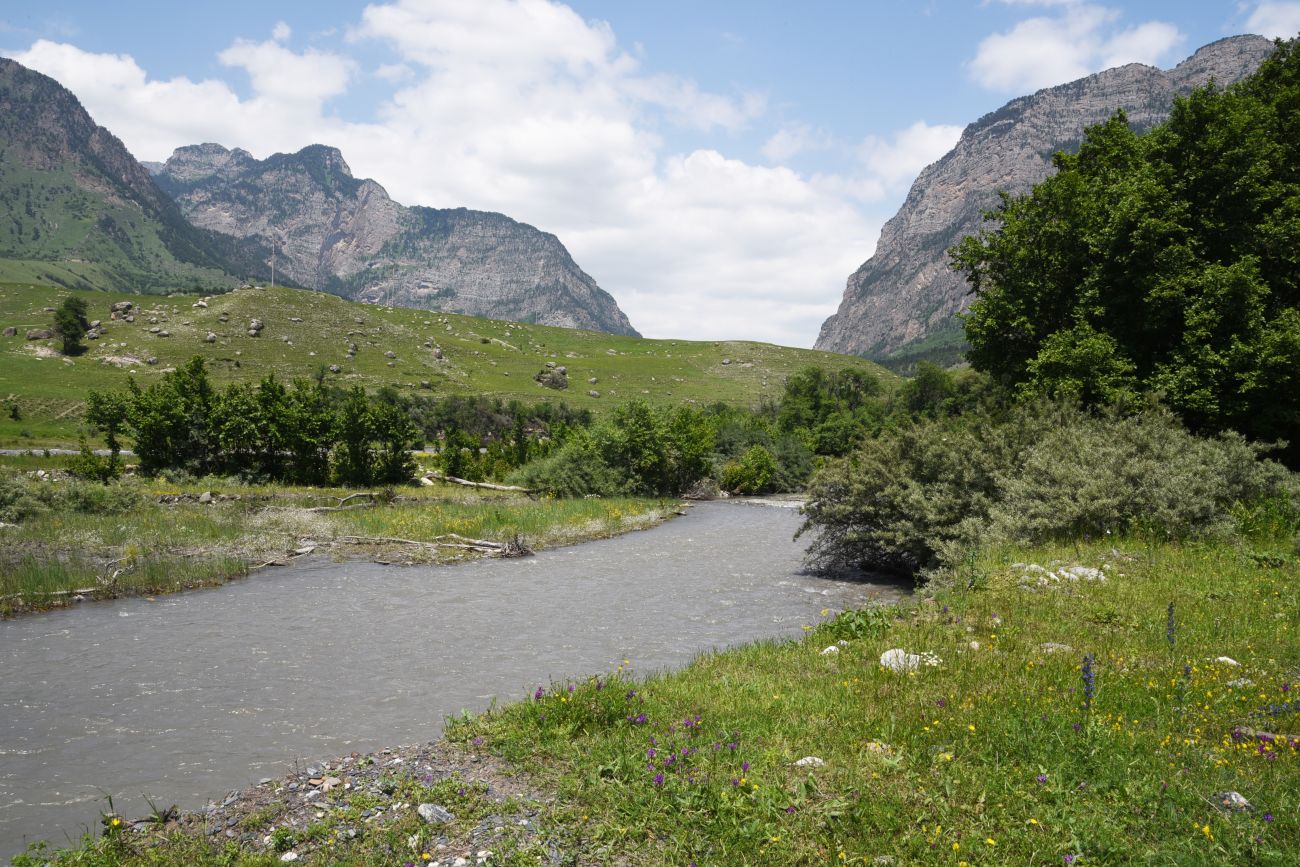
[484, 485]
[513, 548]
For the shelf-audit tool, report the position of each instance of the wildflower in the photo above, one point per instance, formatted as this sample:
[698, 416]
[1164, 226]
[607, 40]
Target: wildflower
[116, 822]
[744, 766]
[1089, 681]
[537, 696]
[1205, 829]
[971, 727]
[956, 847]
[659, 778]
[1069, 859]
[1042, 778]
[1268, 817]
[790, 811]
[570, 688]
[990, 841]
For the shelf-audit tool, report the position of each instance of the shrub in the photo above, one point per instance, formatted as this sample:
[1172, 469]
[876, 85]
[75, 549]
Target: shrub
[924, 496]
[574, 470]
[752, 474]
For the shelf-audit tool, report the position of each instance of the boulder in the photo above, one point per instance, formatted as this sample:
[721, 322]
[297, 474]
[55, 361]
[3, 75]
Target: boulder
[210, 337]
[437, 352]
[591, 392]
[390, 354]
[9, 332]
[552, 379]
[120, 307]
[40, 334]
[334, 368]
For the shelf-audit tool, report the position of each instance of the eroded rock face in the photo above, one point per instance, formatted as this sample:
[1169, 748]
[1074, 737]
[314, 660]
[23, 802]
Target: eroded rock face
[346, 236]
[906, 291]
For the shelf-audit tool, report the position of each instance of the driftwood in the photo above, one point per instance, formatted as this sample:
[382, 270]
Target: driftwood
[449, 540]
[487, 486]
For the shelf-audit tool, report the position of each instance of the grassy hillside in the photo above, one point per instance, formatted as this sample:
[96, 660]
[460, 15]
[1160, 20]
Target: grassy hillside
[479, 356]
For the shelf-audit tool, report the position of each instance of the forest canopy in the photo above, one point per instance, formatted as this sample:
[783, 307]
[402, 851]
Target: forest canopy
[1166, 262]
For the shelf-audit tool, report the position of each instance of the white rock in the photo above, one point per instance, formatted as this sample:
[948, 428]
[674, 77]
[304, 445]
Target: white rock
[897, 659]
[1231, 802]
[1227, 660]
[830, 651]
[289, 856]
[809, 762]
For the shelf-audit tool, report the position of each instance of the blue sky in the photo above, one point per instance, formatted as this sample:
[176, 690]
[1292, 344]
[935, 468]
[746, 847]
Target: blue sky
[720, 167]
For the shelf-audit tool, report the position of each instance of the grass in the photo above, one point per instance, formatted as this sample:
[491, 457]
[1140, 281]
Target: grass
[123, 540]
[480, 356]
[1000, 754]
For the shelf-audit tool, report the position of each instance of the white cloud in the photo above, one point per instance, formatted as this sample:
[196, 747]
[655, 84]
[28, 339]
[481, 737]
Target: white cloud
[790, 141]
[1275, 20]
[896, 161]
[1078, 40]
[527, 109]
[281, 32]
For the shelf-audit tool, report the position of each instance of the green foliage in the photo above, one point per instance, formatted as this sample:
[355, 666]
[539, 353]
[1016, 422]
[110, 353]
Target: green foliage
[754, 473]
[90, 466]
[924, 495]
[24, 498]
[1163, 262]
[71, 325]
[304, 433]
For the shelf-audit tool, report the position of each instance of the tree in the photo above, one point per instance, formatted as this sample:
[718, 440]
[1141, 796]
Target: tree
[71, 325]
[1166, 262]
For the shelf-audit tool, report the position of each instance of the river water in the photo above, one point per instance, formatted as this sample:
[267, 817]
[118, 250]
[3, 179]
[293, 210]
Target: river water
[183, 698]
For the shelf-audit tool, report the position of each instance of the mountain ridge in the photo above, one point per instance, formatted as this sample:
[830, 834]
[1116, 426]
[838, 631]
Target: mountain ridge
[347, 236]
[83, 210]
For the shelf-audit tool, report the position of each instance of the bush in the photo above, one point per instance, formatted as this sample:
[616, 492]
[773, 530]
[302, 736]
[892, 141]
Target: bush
[575, 470]
[924, 496]
[752, 474]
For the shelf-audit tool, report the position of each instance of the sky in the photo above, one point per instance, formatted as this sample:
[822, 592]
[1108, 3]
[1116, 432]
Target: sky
[720, 168]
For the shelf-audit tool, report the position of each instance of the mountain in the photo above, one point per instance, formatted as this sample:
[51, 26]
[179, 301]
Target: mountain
[346, 236]
[903, 301]
[77, 209]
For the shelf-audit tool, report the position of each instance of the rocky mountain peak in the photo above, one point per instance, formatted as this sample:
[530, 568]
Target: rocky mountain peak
[906, 297]
[347, 236]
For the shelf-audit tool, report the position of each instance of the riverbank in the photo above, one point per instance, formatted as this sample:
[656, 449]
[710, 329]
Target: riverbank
[63, 542]
[1058, 710]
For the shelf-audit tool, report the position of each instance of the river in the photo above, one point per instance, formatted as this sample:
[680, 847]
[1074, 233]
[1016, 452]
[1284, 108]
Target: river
[187, 696]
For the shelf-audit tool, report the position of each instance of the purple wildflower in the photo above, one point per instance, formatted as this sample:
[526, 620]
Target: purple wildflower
[790, 810]
[570, 689]
[1042, 778]
[744, 766]
[651, 753]
[941, 703]
[537, 696]
[1089, 681]
[478, 742]
[1268, 817]
[659, 779]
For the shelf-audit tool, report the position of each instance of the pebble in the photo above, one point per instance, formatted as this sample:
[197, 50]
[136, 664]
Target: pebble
[1232, 802]
[897, 659]
[830, 651]
[289, 856]
[434, 814]
[810, 762]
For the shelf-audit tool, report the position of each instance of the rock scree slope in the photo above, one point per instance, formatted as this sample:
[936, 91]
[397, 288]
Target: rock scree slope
[906, 296]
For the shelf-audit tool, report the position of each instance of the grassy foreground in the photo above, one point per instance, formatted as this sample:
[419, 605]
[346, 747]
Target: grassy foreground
[1068, 720]
[148, 536]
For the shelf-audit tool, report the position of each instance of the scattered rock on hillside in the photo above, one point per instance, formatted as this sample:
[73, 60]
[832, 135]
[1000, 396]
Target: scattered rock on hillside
[210, 337]
[9, 332]
[390, 354]
[334, 368]
[40, 334]
[552, 379]
[593, 393]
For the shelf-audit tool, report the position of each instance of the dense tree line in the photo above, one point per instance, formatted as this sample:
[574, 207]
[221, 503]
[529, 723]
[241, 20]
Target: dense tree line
[1167, 262]
[303, 433]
